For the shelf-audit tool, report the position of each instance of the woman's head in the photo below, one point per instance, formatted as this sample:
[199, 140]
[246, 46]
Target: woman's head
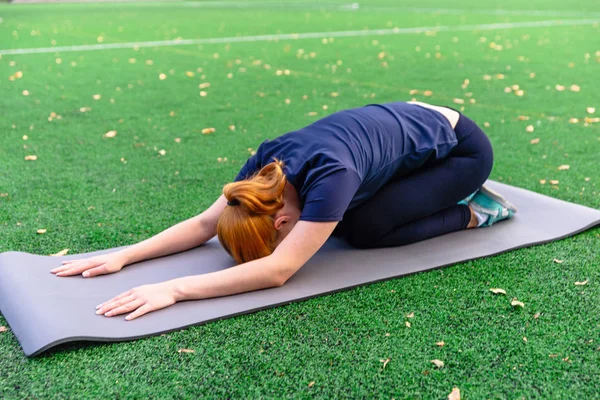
[257, 217]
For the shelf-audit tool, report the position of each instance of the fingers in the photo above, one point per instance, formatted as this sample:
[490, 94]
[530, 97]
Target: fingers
[101, 270]
[69, 270]
[106, 303]
[127, 307]
[139, 312]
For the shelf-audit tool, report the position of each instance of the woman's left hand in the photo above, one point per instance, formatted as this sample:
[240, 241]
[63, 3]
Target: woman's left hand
[141, 300]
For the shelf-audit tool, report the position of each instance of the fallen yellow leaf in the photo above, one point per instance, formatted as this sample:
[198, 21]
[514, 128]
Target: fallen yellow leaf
[412, 314]
[185, 351]
[535, 141]
[563, 167]
[523, 118]
[517, 303]
[454, 394]
[529, 128]
[162, 77]
[311, 384]
[60, 253]
[206, 131]
[30, 158]
[438, 363]
[498, 291]
[554, 182]
[543, 181]
[590, 110]
[582, 283]
[557, 261]
[407, 324]
[3, 329]
[560, 88]
[110, 134]
[458, 101]
[41, 231]
[441, 344]
[574, 88]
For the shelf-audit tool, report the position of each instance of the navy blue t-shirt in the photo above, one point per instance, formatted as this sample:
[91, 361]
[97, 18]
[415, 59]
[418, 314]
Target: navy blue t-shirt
[342, 160]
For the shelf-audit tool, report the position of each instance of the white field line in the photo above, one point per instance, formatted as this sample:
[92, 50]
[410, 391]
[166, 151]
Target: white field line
[355, 6]
[307, 35]
[456, 11]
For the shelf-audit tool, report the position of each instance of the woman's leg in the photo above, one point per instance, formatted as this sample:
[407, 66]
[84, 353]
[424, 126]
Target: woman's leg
[424, 204]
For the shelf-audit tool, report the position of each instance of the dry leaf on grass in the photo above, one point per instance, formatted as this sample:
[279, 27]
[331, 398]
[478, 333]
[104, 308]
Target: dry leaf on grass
[41, 231]
[536, 315]
[3, 329]
[162, 77]
[458, 101]
[385, 362]
[407, 324]
[543, 181]
[590, 110]
[110, 134]
[498, 291]
[207, 131]
[96, 97]
[438, 363]
[454, 394]
[185, 351]
[554, 182]
[30, 158]
[411, 315]
[582, 283]
[60, 253]
[517, 303]
[311, 384]
[441, 344]
[563, 167]
[529, 128]
[535, 141]
[557, 261]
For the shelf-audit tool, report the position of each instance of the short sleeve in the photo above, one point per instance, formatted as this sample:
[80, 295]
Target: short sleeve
[251, 166]
[328, 197]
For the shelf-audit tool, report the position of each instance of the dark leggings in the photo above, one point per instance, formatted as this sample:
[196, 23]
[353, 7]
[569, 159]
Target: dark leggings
[423, 205]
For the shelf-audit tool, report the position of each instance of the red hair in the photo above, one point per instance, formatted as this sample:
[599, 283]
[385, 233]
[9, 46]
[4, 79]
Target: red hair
[246, 230]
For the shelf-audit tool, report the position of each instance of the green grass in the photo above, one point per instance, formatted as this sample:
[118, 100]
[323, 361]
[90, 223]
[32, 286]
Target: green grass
[88, 199]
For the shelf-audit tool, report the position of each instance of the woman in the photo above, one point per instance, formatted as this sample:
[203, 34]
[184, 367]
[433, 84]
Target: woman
[392, 174]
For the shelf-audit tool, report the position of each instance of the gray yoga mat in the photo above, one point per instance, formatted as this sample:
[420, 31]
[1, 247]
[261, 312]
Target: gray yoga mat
[44, 310]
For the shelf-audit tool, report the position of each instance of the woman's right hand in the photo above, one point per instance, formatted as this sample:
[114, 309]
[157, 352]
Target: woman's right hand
[88, 267]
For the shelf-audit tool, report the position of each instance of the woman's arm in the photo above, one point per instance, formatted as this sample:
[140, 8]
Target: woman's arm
[184, 236]
[305, 239]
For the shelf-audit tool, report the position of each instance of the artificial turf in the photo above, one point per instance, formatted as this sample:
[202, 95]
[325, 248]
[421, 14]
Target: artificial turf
[90, 192]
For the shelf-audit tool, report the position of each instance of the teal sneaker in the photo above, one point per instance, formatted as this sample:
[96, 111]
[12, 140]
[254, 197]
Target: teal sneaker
[466, 200]
[490, 203]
